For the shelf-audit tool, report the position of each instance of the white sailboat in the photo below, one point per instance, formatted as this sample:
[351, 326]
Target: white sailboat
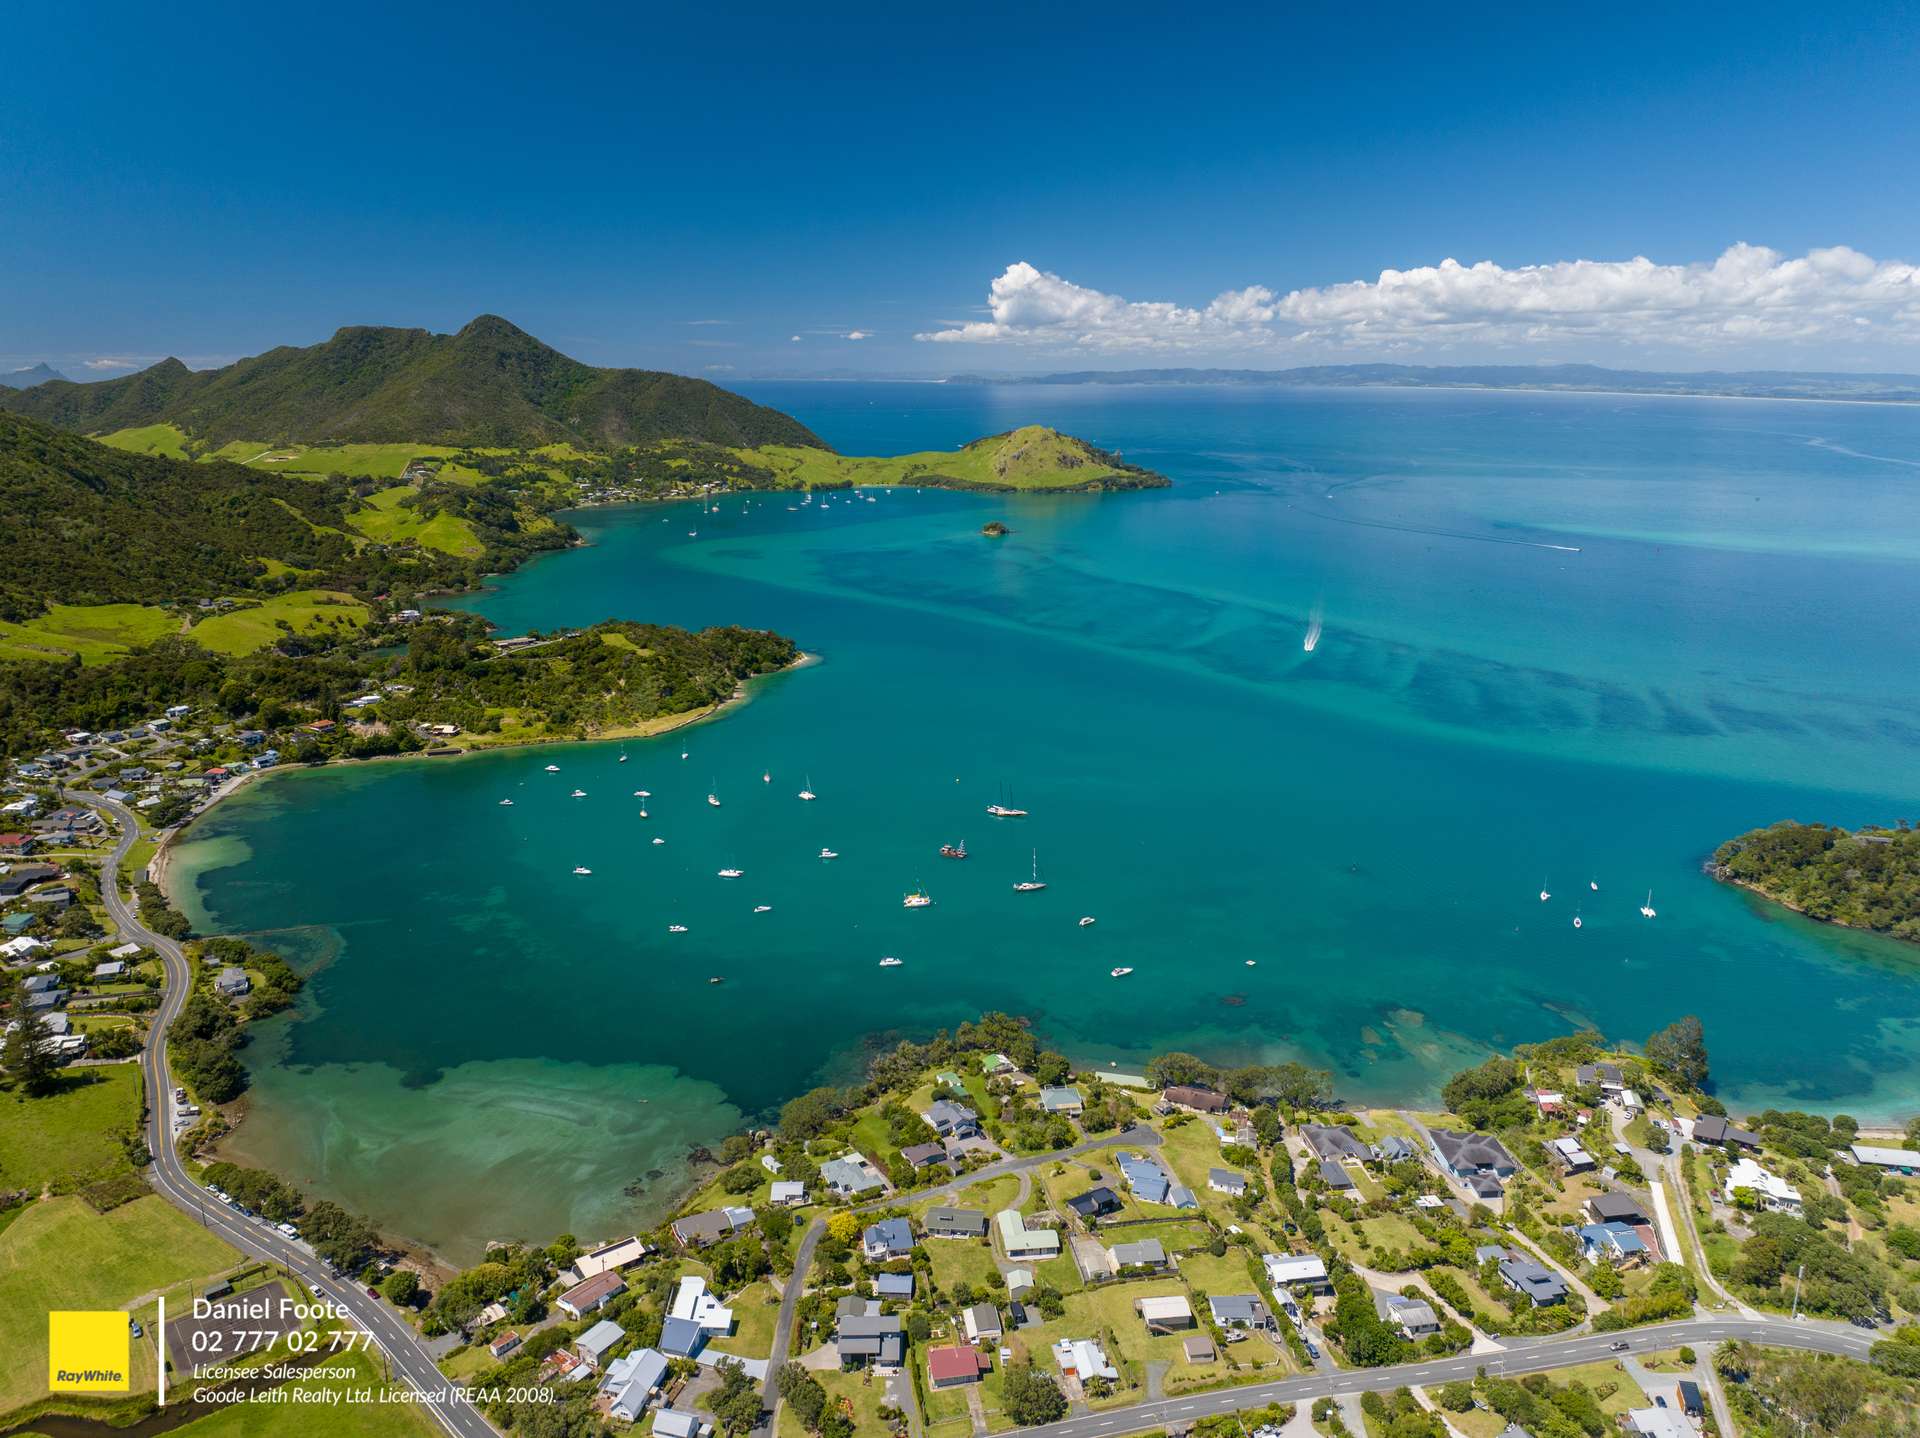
[1544, 895]
[1576, 921]
[807, 792]
[623, 756]
[1646, 909]
[766, 776]
[506, 803]
[1594, 885]
[1033, 885]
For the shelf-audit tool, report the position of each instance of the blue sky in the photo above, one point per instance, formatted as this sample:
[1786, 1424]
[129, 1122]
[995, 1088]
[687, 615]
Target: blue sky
[692, 188]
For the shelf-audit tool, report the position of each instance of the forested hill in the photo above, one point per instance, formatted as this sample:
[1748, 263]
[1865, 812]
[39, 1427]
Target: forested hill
[1865, 880]
[491, 385]
[86, 524]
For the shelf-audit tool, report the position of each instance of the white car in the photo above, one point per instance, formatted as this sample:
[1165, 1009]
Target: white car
[288, 1229]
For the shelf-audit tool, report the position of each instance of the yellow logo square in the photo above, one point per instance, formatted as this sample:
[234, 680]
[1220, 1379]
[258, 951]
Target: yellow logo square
[89, 1353]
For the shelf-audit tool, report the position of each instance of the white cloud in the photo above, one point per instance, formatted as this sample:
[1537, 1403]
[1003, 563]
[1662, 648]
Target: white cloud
[795, 339]
[1749, 297]
[858, 335]
[112, 362]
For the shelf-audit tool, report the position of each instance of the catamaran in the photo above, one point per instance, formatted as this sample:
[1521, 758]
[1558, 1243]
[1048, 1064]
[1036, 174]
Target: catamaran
[918, 899]
[1646, 909]
[1033, 885]
[807, 793]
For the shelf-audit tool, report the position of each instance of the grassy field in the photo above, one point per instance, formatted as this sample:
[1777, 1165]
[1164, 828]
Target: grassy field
[241, 631]
[162, 439]
[861, 1392]
[94, 632]
[72, 1136]
[61, 1254]
[1032, 458]
[961, 1260]
[387, 521]
[755, 1308]
[321, 1420]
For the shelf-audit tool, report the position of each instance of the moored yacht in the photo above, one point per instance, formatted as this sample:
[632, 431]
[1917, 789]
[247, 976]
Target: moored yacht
[889, 962]
[1646, 909]
[954, 851]
[1119, 973]
[918, 899]
[1033, 885]
[829, 853]
[581, 869]
[731, 873]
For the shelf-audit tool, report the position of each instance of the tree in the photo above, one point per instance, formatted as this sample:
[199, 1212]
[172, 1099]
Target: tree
[29, 1056]
[1179, 1068]
[802, 1392]
[1051, 1068]
[843, 1227]
[1680, 1051]
[737, 1402]
[1030, 1396]
[401, 1287]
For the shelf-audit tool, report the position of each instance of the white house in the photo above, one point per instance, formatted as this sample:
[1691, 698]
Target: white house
[1775, 1194]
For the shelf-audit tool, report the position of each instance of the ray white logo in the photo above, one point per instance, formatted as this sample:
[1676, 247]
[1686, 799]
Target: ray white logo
[89, 1352]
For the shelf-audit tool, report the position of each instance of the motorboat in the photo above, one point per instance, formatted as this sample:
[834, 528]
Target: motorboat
[889, 962]
[581, 869]
[676, 928]
[732, 873]
[1087, 922]
[659, 841]
[954, 851]
[1119, 973]
[763, 908]
[553, 768]
[579, 793]
[829, 853]
[506, 803]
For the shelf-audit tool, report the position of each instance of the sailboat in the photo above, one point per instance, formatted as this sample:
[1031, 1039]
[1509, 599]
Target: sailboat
[1576, 921]
[1594, 884]
[766, 776]
[954, 851]
[1003, 811]
[623, 756]
[918, 899]
[506, 803]
[807, 793]
[1544, 895]
[713, 794]
[1646, 909]
[1033, 885]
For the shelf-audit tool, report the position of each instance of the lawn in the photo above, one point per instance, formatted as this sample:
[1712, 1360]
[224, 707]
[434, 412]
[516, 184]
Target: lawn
[755, 1308]
[61, 1254]
[989, 1197]
[1219, 1276]
[241, 631]
[386, 520]
[72, 1136]
[95, 633]
[161, 439]
[322, 1420]
[960, 1260]
[860, 1391]
[1598, 1376]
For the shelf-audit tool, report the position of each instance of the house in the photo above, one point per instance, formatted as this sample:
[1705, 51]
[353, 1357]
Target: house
[1245, 1311]
[1198, 1348]
[632, 1381]
[889, 1238]
[693, 1304]
[1095, 1203]
[44, 999]
[113, 969]
[1659, 1423]
[1200, 1100]
[1465, 1154]
[863, 1335]
[703, 1230]
[1690, 1400]
[923, 1155]
[59, 900]
[1414, 1317]
[1538, 1284]
[126, 953]
[1615, 1208]
[1567, 1153]
[1335, 1142]
[952, 1120]
[1485, 1187]
[1165, 1314]
[1774, 1194]
[1900, 1160]
[1225, 1180]
[233, 982]
[1148, 1181]
[21, 877]
[954, 1223]
[893, 1285]
[982, 1324]
[594, 1345]
[591, 1296]
[1300, 1270]
[787, 1193]
[1180, 1196]
[671, 1423]
[1395, 1149]
[1062, 1100]
[1146, 1253]
[956, 1364]
[493, 1313]
[1605, 1077]
[23, 947]
[1715, 1131]
[503, 1344]
[994, 1064]
[1083, 1358]
[609, 1257]
[1612, 1242]
[1019, 1282]
[1336, 1176]
[1019, 1241]
[851, 1175]
[681, 1337]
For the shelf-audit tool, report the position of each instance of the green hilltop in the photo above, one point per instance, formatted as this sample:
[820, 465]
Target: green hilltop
[1032, 458]
[492, 384]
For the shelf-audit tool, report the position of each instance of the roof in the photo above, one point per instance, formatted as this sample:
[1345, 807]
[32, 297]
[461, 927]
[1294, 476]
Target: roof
[893, 1285]
[787, 1190]
[1193, 1096]
[681, 1337]
[1886, 1157]
[1395, 1147]
[1226, 1178]
[1335, 1175]
[1060, 1097]
[1295, 1268]
[922, 1154]
[891, 1233]
[602, 1336]
[1164, 1307]
[955, 1361]
[1018, 1238]
[1198, 1348]
[671, 1423]
[1334, 1141]
[1239, 1308]
[1712, 1128]
[1461, 1151]
[1615, 1235]
[708, 1227]
[1607, 1206]
[961, 1220]
[1085, 1357]
[597, 1289]
[1409, 1312]
[853, 1174]
[1538, 1282]
[1146, 1250]
[1094, 1202]
[1659, 1423]
[983, 1318]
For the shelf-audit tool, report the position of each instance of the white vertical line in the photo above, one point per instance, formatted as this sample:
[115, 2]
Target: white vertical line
[160, 1338]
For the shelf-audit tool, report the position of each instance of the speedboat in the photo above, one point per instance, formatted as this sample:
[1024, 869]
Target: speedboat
[1087, 922]
[1646, 909]
[732, 873]
[954, 851]
[643, 793]
[579, 793]
[643, 813]
[659, 841]
[918, 899]
[1119, 973]
[676, 928]
[581, 869]
[714, 800]
[717, 979]
[763, 908]
[506, 803]
[1250, 963]
[829, 854]
[889, 962]
[553, 768]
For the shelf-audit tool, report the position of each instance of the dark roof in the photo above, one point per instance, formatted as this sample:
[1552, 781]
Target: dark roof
[1711, 1128]
[1334, 1141]
[1472, 1151]
[1334, 1174]
[1095, 1202]
[680, 1336]
[1610, 1206]
[1193, 1096]
[919, 1155]
[956, 1220]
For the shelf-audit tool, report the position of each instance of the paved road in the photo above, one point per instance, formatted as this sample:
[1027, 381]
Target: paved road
[1552, 1353]
[410, 1363]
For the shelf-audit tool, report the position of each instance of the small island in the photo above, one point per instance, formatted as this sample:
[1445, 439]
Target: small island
[994, 529]
[1861, 879]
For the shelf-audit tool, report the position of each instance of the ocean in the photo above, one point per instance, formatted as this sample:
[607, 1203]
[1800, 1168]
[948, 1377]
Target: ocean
[1561, 641]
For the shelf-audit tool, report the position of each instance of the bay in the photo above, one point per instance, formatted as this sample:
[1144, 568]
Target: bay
[1563, 640]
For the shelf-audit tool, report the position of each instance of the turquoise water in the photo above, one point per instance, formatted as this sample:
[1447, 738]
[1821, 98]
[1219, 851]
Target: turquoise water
[1563, 640]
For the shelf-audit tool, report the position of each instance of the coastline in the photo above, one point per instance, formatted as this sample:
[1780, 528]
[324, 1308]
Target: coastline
[1793, 908]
